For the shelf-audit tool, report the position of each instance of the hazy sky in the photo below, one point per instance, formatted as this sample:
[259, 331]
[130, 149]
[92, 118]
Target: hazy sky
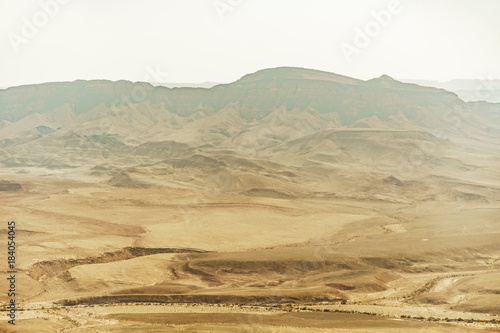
[221, 40]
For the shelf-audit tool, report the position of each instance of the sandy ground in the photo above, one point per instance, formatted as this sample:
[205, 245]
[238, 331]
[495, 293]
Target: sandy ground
[225, 318]
[422, 266]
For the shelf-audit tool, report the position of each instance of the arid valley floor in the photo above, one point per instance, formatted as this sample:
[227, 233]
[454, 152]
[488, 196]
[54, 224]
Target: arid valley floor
[341, 225]
[115, 259]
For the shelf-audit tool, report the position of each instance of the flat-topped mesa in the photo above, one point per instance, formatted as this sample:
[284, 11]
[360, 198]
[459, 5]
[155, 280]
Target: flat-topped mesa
[294, 73]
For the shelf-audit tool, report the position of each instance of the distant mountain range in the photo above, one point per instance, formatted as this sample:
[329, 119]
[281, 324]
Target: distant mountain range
[469, 90]
[285, 124]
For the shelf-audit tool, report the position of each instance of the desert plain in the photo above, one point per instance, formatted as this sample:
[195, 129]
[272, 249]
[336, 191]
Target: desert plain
[297, 220]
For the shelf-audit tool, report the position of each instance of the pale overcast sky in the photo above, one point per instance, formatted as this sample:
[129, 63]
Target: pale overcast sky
[221, 40]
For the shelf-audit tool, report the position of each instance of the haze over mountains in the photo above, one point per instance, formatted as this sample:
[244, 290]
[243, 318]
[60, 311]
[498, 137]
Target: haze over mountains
[267, 201]
[299, 119]
[486, 90]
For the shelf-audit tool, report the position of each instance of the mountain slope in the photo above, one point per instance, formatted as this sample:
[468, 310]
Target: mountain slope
[306, 123]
